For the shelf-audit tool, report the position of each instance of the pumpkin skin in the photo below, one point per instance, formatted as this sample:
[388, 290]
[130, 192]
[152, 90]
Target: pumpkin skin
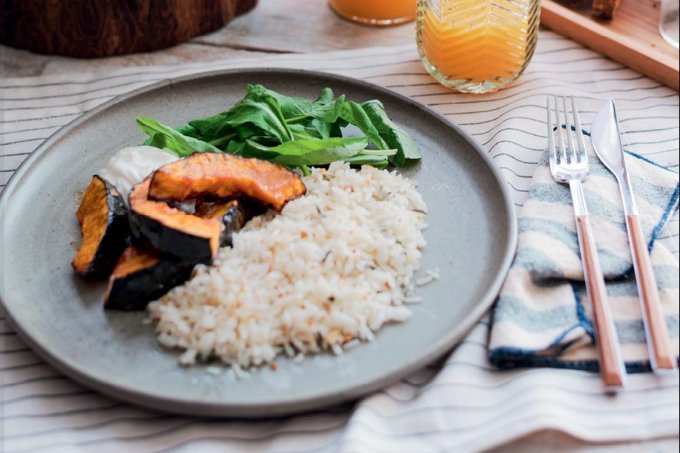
[167, 243]
[224, 176]
[140, 277]
[234, 214]
[170, 232]
[103, 220]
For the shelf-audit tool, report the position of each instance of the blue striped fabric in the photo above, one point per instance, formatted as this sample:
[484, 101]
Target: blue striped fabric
[542, 316]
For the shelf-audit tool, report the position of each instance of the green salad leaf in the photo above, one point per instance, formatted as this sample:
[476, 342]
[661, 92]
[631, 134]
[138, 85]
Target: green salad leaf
[292, 131]
[392, 135]
[296, 109]
[320, 152]
[164, 137]
[355, 115]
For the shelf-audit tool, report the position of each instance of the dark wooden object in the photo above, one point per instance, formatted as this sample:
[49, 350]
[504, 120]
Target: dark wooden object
[99, 28]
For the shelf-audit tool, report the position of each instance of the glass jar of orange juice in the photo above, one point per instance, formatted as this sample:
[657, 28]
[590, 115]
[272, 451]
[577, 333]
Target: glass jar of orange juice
[477, 46]
[376, 12]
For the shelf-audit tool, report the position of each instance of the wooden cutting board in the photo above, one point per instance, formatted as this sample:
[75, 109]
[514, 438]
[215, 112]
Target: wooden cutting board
[98, 28]
[631, 38]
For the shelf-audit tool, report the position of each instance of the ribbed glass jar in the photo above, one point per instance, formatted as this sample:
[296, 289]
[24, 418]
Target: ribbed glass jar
[477, 46]
[375, 12]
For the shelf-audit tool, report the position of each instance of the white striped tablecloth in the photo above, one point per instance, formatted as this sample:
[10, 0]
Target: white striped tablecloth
[460, 403]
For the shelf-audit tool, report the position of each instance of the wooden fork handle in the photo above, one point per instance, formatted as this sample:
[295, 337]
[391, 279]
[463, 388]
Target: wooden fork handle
[660, 350]
[611, 363]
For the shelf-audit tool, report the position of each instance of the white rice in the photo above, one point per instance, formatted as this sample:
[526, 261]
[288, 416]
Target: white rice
[430, 276]
[327, 272]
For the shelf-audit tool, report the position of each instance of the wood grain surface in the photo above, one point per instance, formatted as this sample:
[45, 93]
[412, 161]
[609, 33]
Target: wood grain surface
[274, 26]
[96, 28]
[612, 367]
[631, 38]
[304, 26]
[659, 342]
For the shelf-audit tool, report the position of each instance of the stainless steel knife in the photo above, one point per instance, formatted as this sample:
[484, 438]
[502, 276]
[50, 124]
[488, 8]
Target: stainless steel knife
[606, 140]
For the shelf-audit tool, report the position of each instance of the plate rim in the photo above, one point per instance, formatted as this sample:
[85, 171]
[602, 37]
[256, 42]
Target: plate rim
[283, 406]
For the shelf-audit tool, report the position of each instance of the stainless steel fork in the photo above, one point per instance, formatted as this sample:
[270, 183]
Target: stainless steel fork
[569, 165]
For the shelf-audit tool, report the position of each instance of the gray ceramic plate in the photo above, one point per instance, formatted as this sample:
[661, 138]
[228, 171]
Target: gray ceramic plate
[471, 239]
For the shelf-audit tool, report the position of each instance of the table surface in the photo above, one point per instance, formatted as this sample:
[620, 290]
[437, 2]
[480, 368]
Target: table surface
[297, 26]
[275, 26]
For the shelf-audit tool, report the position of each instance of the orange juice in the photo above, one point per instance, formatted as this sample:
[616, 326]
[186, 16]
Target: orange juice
[477, 46]
[376, 12]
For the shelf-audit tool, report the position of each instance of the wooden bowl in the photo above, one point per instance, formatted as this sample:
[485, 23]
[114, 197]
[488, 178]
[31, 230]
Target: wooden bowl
[99, 28]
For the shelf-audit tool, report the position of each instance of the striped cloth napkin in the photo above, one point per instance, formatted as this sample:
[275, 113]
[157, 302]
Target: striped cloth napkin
[543, 316]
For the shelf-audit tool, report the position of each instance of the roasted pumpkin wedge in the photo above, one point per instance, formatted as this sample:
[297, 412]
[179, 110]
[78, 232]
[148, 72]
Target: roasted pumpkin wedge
[171, 232]
[219, 175]
[104, 225]
[233, 214]
[141, 277]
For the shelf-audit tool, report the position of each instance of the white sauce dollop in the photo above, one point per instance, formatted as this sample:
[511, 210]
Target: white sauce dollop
[131, 165]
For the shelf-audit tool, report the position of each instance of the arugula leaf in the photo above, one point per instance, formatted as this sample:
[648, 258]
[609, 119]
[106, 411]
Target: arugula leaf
[235, 147]
[326, 96]
[188, 131]
[262, 110]
[305, 170]
[165, 137]
[291, 130]
[315, 152]
[223, 140]
[248, 131]
[271, 113]
[318, 116]
[322, 128]
[296, 109]
[355, 114]
[380, 162]
[211, 127]
[393, 135]
[301, 132]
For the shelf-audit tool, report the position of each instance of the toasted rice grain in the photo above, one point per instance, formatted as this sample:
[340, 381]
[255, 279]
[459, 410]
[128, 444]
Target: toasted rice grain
[332, 268]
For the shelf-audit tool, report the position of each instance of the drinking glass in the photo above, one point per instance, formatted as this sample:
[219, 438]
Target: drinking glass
[477, 46]
[376, 12]
[669, 25]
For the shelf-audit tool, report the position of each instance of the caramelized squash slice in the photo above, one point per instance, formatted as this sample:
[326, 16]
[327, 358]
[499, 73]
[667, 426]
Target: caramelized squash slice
[157, 226]
[104, 225]
[141, 277]
[220, 175]
[233, 214]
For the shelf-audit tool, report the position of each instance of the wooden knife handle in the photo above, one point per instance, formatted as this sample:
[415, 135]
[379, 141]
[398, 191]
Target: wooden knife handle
[660, 350]
[611, 363]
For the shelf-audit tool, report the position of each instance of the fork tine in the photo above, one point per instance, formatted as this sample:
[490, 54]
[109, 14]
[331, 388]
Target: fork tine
[582, 153]
[571, 151]
[560, 138]
[551, 138]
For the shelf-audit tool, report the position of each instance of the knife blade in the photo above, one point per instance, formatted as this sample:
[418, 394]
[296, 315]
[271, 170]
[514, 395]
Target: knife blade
[606, 139]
